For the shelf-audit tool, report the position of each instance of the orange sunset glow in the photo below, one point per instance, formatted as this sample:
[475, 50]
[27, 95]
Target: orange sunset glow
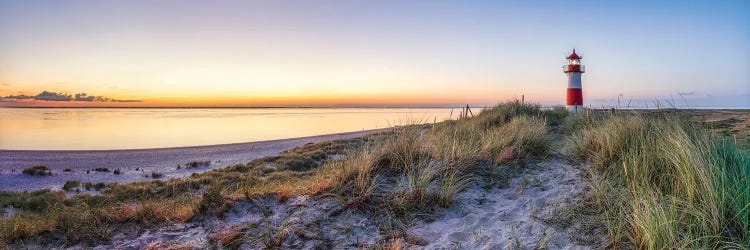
[389, 124]
[351, 54]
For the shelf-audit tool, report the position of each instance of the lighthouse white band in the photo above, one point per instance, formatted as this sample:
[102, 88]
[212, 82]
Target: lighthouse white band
[574, 80]
[574, 108]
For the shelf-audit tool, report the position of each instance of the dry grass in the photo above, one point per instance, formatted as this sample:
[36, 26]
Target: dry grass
[390, 174]
[228, 237]
[657, 180]
[417, 167]
[664, 182]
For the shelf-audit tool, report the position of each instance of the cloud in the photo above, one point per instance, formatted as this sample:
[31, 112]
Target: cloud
[53, 96]
[62, 97]
[686, 93]
[83, 97]
[20, 97]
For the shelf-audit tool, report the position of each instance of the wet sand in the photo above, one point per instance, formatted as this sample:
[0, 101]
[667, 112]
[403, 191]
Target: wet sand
[146, 161]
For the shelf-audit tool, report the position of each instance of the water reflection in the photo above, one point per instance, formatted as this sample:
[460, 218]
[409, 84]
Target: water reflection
[76, 128]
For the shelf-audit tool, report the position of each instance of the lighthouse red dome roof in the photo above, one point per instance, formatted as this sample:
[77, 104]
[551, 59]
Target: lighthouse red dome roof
[574, 55]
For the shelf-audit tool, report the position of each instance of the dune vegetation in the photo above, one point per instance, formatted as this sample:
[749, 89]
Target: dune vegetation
[39, 170]
[657, 180]
[661, 181]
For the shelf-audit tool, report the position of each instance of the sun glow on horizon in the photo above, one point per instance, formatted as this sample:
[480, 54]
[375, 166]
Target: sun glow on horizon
[369, 54]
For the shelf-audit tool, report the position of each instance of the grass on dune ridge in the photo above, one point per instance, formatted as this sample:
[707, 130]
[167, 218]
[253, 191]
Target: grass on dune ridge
[658, 180]
[390, 175]
[663, 182]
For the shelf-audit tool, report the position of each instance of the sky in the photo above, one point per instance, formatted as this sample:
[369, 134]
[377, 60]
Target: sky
[371, 53]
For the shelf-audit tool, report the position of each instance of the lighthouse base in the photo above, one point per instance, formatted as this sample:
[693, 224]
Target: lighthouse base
[575, 108]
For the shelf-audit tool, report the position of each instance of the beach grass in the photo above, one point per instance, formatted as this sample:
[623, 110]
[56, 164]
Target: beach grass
[389, 173]
[658, 180]
[664, 182]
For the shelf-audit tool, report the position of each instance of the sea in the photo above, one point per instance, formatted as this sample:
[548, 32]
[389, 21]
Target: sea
[138, 128]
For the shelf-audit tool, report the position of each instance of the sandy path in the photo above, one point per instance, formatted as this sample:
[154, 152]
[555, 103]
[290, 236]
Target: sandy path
[481, 218]
[163, 160]
[509, 218]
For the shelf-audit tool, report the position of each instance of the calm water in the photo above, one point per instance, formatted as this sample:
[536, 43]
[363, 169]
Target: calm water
[77, 128]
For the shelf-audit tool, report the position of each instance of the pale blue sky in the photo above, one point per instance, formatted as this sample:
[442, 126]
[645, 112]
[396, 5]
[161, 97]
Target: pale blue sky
[476, 52]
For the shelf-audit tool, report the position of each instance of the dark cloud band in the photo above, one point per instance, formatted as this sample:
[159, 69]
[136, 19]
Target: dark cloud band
[62, 97]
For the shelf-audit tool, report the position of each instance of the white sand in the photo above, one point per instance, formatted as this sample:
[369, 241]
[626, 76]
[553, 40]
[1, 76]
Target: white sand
[509, 218]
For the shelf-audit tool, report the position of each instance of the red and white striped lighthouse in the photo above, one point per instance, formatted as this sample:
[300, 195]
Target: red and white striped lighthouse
[574, 69]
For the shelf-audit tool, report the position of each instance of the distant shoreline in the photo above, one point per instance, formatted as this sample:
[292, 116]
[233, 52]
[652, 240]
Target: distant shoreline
[208, 146]
[269, 107]
[383, 107]
[134, 163]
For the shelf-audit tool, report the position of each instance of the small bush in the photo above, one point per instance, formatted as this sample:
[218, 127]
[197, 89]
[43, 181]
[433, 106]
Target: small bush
[71, 185]
[156, 175]
[195, 164]
[39, 170]
[212, 200]
[117, 171]
[301, 164]
[95, 186]
[81, 223]
[67, 170]
[101, 170]
[36, 201]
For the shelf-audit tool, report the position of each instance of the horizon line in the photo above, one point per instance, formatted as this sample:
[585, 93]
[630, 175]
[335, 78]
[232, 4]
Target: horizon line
[606, 107]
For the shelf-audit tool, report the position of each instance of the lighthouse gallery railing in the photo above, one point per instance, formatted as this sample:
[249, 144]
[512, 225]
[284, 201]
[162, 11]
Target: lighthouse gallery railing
[574, 68]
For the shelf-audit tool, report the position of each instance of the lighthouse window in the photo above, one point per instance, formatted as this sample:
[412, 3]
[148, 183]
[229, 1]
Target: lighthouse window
[574, 62]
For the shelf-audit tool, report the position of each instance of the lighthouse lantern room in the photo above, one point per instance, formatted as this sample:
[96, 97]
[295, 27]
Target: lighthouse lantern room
[574, 69]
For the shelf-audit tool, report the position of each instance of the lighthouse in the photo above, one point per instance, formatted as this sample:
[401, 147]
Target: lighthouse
[574, 69]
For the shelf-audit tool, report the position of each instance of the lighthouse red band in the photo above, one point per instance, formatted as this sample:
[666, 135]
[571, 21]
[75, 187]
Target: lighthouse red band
[574, 69]
[575, 97]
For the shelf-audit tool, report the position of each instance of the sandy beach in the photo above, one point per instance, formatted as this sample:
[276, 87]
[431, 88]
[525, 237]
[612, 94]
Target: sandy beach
[146, 161]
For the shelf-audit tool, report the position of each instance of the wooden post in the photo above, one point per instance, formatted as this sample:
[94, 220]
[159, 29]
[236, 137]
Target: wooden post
[469, 109]
[522, 97]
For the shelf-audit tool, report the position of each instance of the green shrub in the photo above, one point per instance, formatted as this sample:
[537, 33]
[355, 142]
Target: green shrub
[212, 200]
[303, 164]
[195, 164]
[156, 175]
[71, 185]
[39, 170]
[35, 201]
[96, 186]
